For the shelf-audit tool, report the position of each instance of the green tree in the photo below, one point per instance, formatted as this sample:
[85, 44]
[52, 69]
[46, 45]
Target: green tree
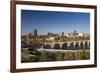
[35, 58]
[58, 56]
[68, 56]
[43, 56]
[85, 54]
[77, 55]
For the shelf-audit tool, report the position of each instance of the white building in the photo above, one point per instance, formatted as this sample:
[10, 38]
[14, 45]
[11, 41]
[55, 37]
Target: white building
[50, 38]
[80, 34]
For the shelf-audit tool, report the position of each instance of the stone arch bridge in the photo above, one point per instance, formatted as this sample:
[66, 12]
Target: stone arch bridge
[84, 44]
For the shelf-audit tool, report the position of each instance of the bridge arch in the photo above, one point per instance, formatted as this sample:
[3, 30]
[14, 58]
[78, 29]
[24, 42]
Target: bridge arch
[81, 45]
[86, 45]
[65, 46]
[77, 45]
[47, 46]
[71, 46]
[56, 46]
[89, 46]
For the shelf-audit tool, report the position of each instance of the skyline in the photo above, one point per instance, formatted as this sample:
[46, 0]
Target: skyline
[53, 21]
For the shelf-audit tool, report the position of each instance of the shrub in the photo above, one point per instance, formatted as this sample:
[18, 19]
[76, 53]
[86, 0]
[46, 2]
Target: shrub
[58, 56]
[77, 55]
[68, 56]
[34, 58]
[43, 56]
[85, 55]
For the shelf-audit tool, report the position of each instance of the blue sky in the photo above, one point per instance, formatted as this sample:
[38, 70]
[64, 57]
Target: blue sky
[55, 22]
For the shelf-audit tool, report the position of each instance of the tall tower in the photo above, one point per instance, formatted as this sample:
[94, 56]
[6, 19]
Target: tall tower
[62, 34]
[35, 32]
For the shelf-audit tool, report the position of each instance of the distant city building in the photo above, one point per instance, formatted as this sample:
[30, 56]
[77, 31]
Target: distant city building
[30, 34]
[81, 34]
[70, 34]
[85, 35]
[35, 33]
[50, 38]
[56, 35]
[50, 34]
[62, 34]
[75, 33]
